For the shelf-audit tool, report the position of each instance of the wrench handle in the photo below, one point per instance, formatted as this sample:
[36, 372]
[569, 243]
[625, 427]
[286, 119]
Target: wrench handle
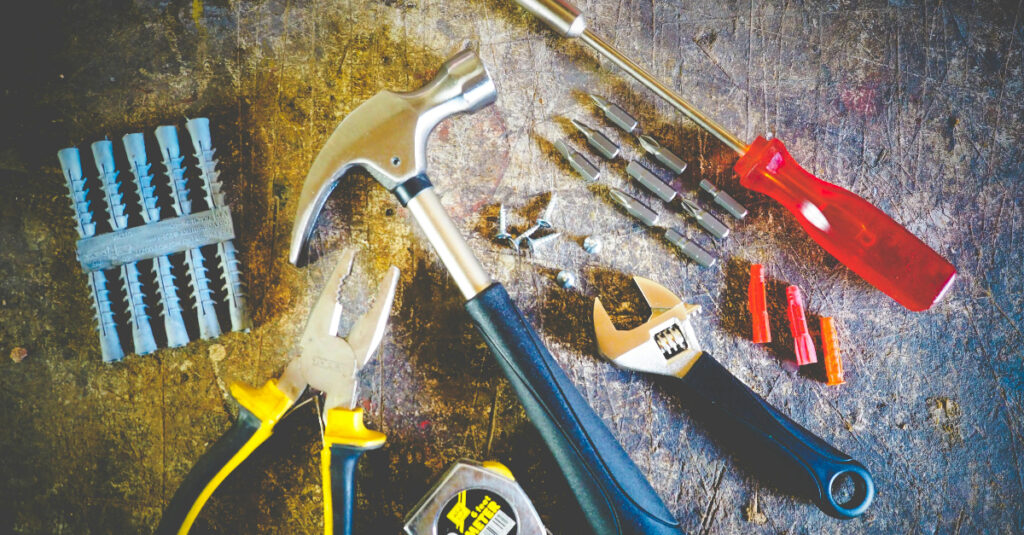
[772, 444]
[615, 496]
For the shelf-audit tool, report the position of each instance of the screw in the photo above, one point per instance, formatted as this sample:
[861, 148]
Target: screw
[534, 243]
[543, 220]
[502, 228]
[592, 244]
[565, 279]
[524, 236]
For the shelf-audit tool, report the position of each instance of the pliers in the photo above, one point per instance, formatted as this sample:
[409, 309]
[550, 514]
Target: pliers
[326, 364]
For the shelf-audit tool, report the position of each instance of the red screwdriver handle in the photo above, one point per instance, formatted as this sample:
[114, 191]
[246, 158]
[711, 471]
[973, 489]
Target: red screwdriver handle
[851, 229]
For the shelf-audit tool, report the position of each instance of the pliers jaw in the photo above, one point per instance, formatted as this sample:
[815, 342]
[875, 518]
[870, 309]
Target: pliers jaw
[665, 344]
[327, 362]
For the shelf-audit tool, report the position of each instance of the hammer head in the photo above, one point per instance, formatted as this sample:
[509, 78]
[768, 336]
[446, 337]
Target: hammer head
[387, 135]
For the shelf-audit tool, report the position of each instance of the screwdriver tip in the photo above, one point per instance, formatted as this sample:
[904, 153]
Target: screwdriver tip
[562, 148]
[620, 196]
[648, 143]
[601, 103]
[635, 207]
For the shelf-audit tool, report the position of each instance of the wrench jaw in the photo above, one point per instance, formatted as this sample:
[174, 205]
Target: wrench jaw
[665, 344]
[658, 297]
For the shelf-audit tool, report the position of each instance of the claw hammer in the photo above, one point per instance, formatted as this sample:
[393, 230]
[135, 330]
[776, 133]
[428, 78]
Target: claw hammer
[387, 136]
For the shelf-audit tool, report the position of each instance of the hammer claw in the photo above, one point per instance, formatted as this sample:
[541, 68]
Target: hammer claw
[387, 136]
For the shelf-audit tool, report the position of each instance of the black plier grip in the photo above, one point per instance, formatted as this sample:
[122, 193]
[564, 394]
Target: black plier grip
[345, 440]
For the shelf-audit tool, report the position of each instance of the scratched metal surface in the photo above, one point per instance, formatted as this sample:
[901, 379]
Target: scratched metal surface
[915, 106]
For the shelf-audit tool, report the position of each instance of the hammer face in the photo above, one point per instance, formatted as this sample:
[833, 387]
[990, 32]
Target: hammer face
[387, 135]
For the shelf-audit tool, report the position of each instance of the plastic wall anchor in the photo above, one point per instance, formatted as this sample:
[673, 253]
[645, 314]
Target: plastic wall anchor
[830, 348]
[106, 326]
[757, 302]
[71, 166]
[110, 341]
[142, 331]
[206, 309]
[174, 322]
[803, 345]
[103, 154]
[237, 307]
[135, 148]
[227, 258]
[209, 178]
[170, 151]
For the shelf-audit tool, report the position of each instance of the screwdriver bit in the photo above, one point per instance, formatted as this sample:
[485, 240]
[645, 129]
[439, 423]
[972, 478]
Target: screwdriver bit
[616, 115]
[578, 162]
[666, 157]
[598, 141]
[724, 200]
[689, 248]
[635, 208]
[705, 220]
[655, 185]
[649, 217]
[651, 182]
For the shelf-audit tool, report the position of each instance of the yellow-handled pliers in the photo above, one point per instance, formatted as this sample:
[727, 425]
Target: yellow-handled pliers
[327, 364]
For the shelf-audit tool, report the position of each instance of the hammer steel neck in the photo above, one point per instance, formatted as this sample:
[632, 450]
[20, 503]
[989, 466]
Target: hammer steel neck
[455, 253]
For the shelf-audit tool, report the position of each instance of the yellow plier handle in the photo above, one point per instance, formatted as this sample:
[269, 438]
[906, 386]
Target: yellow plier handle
[261, 409]
[345, 440]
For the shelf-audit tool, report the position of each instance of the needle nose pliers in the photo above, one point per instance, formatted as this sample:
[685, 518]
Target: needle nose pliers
[326, 364]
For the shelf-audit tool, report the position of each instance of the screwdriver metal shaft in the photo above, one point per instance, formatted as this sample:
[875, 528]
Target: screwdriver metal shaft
[644, 77]
[565, 19]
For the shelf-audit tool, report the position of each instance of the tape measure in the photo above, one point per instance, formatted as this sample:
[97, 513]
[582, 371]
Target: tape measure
[474, 498]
